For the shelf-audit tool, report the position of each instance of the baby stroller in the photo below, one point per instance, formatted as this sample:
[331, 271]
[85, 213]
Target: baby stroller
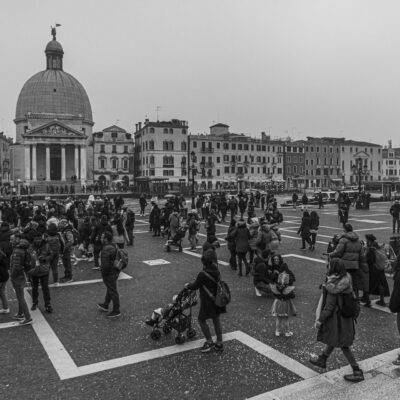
[173, 317]
[176, 241]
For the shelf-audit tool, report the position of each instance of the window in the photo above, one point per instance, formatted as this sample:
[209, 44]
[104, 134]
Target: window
[239, 146]
[218, 172]
[168, 145]
[125, 149]
[151, 160]
[165, 131]
[194, 145]
[102, 162]
[102, 148]
[114, 148]
[218, 160]
[167, 172]
[152, 172]
[114, 135]
[151, 130]
[263, 148]
[184, 131]
[151, 145]
[168, 161]
[171, 130]
[226, 146]
[226, 170]
[246, 147]
[114, 163]
[218, 145]
[183, 146]
[226, 157]
[125, 163]
[233, 146]
[232, 169]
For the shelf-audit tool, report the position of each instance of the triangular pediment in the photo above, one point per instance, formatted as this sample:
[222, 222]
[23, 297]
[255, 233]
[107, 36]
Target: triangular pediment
[54, 129]
[361, 154]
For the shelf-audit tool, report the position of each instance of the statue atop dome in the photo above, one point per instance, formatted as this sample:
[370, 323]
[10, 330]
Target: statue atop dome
[54, 31]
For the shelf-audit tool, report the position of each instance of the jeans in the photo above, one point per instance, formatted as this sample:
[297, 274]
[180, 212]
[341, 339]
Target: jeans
[347, 353]
[396, 221]
[66, 260]
[305, 239]
[242, 258]
[96, 254]
[19, 292]
[313, 238]
[3, 295]
[54, 267]
[110, 280]
[44, 283]
[129, 231]
[206, 330]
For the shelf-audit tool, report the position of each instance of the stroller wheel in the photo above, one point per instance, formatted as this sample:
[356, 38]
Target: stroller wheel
[191, 333]
[166, 329]
[180, 339]
[156, 334]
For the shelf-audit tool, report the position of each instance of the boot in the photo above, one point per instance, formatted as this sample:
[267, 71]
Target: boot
[356, 376]
[320, 361]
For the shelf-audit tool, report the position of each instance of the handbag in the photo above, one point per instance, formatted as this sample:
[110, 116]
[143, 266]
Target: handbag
[40, 270]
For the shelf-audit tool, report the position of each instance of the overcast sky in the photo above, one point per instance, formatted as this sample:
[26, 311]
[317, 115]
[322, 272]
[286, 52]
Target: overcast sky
[305, 67]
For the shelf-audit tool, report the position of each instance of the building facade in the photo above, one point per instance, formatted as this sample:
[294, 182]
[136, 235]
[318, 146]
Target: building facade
[161, 151]
[391, 163]
[113, 150]
[225, 159]
[294, 164]
[5, 158]
[371, 156]
[54, 123]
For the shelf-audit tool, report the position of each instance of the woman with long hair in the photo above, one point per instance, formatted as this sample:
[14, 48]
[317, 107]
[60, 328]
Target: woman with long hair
[120, 236]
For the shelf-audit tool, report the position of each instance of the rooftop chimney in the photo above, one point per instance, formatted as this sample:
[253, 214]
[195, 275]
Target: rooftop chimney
[140, 126]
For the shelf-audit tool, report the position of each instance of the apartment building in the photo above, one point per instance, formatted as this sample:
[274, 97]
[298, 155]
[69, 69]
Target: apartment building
[369, 153]
[5, 158]
[161, 151]
[225, 159]
[294, 164]
[113, 156]
[391, 163]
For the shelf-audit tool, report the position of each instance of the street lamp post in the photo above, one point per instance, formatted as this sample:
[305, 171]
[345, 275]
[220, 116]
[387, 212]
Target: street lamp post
[194, 172]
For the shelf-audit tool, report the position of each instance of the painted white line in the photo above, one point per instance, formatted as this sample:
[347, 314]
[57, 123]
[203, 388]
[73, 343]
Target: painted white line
[379, 308]
[372, 228]
[299, 238]
[12, 324]
[276, 356]
[134, 232]
[121, 276]
[305, 258]
[368, 221]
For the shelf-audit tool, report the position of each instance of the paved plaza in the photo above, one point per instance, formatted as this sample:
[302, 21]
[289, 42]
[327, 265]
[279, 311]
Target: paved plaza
[76, 353]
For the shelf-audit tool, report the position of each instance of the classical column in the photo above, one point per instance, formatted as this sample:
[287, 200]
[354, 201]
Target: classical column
[34, 178]
[83, 163]
[77, 161]
[62, 162]
[47, 163]
[27, 162]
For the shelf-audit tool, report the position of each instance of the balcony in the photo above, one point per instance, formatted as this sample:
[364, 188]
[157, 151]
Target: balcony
[206, 150]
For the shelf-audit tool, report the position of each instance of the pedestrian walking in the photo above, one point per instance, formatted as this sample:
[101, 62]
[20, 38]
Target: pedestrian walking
[4, 277]
[314, 225]
[335, 327]
[231, 242]
[304, 231]
[242, 236]
[394, 303]
[110, 276]
[395, 213]
[206, 283]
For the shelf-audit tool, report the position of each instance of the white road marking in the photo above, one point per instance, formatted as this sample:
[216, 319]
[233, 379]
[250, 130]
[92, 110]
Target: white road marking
[368, 221]
[158, 261]
[305, 258]
[12, 324]
[372, 228]
[379, 308]
[134, 232]
[121, 276]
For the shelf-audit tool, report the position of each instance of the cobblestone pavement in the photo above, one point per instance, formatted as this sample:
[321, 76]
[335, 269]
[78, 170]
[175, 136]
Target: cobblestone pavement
[75, 353]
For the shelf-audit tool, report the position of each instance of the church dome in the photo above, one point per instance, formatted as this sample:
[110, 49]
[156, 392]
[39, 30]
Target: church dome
[53, 93]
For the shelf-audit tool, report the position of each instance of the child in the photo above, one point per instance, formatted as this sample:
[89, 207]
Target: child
[282, 307]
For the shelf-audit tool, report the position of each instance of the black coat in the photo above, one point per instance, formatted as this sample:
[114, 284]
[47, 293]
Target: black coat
[377, 278]
[207, 307]
[394, 304]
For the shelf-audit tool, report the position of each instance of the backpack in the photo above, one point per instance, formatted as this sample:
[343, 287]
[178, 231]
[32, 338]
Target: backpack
[382, 261]
[350, 308]
[223, 295]
[121, 259]
[56, 243]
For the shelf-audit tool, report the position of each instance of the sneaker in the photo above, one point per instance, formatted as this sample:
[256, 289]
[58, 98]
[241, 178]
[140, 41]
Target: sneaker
[113, 314]
[219, 347]
[289, 333]
[5, 311]
[34, 307]
[18, 317]
[356, 376]
[102, 307]
[26, 321]
[207, 347]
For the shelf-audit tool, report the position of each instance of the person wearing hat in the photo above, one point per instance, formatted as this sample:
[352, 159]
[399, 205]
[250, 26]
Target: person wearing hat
[206, 283]
[395, 213]
[378, 284]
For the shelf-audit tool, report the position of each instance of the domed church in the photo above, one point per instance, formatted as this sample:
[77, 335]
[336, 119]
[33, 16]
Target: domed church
[54, 124]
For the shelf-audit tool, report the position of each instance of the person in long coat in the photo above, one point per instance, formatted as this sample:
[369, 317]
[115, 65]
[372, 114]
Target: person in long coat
[335, 330]
[155, 216]
[242, 236]
[394, 304]
[378, 284]
[206, 283]
[304, 230]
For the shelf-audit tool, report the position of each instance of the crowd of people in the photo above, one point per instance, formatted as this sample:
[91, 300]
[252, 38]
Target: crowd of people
[38, 241]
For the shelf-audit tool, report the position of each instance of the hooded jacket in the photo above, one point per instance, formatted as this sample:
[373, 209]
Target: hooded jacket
[349, 249]
[336, 330]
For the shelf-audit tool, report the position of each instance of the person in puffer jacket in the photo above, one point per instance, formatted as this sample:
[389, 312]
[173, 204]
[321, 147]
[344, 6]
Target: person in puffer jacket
[20, 260]
[350, 251]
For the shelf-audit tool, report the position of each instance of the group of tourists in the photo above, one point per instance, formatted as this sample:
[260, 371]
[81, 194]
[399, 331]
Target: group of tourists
[36, 241]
